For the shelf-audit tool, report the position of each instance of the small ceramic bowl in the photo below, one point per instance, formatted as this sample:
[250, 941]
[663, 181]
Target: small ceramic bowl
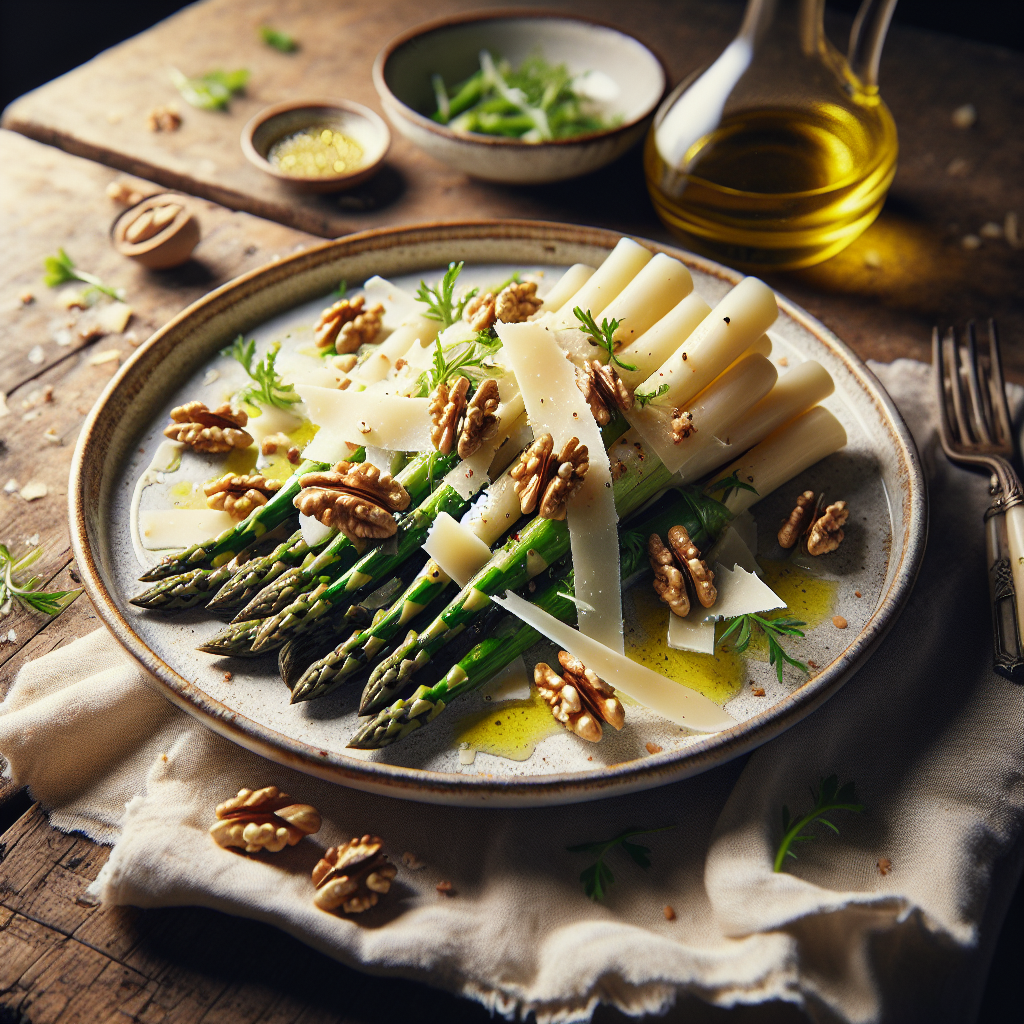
[159, 232]
[451, 48]
[351, 119]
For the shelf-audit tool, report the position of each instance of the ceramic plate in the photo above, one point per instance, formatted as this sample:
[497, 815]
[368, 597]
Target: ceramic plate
[877, 473]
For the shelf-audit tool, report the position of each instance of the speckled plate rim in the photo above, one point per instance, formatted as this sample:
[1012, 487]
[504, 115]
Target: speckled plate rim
[92, 477]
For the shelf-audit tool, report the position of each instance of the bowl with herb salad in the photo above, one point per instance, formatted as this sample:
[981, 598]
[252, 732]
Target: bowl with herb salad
[520, 98]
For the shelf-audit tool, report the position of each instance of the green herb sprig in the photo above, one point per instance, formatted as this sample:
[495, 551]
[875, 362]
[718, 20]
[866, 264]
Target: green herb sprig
[341, 291]
[278, 40]
[61, 269]
[644, 398]
[598, 876]
[830, 797]
[26, 592]
[473, 359]
[212, 91]
[774, 630]
[603, 336]
[267, 387]
[441, 302]
[727, 485]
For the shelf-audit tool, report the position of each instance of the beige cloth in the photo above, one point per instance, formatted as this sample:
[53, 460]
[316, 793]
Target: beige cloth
[930, 734]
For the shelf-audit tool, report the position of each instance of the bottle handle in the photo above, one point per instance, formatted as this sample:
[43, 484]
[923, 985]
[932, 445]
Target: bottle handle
[867, 37]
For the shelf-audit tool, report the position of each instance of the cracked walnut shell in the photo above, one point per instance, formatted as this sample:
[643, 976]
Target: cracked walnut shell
[700, 576]
[669, 584]
[481, 418]
[794, 526]
[447, 404]
[603, 390]
[352, 876]
[356, 498]
[239, 495]
[517, 302]
[579, 699]
[263, 819]
[208, 430]
[827, 532]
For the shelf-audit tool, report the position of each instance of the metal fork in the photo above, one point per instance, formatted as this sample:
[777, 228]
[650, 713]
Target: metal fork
[975, 431]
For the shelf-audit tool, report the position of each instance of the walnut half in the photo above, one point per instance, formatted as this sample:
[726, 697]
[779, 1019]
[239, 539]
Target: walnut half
[352, 876]
[239, 495]
[356, 498]
[700, 576]
[793, 527]
[578, 698]
[827, 532]
[669, 584]
[603, 390]
[545, 481]
[208, 430]
[346, 325]
[263, 819]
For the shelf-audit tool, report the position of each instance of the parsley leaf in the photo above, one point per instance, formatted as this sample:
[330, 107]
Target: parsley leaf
[473, 359]
[727, 485]
[268, 387]
[61, 269]
[773, 629]
[644, 398]
[212, 91]
[830, 797]
[278, 40]
[602, 336]
[440, 301]
[25, 592]
[598, 877]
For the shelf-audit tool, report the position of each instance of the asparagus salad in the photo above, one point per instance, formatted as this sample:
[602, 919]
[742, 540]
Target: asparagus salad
[533, 490]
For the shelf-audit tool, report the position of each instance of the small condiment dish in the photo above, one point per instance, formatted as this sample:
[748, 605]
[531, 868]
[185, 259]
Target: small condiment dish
[351, 119]
[159, 232]
[451, 48]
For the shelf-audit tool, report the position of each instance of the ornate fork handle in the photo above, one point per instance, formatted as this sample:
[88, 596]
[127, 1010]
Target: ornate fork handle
[1004, 538]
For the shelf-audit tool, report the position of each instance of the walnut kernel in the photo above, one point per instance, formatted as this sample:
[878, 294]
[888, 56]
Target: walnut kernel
[239, 495]
[578, 698]
[263, 819]
[447, 404]
[516, 302]
[827, 532]
[479, 311]
[700, 576]
[205, 430]
[352, 876]
[669, 584]
[356, 498]
[481, 419]
[793, 527]
[603, 390]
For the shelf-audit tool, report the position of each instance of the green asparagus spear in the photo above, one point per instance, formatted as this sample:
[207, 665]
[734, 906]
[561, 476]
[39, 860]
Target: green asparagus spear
[418, 478]
[219, 550]
[257, 573]
[541, 541]
[335, 667]
[375, 565]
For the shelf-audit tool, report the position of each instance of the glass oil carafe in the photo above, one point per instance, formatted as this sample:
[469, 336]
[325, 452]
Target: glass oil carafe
[780, 153]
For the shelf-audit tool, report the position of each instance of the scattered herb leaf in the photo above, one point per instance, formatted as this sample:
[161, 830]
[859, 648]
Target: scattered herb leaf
[61, 269]
[830, 797]
[773, 629]
[441, 303]
[727, 485]
[278, 40]
[342, 290]
[25, 592]
[268, 387]
[602, 336]
[473, 359]
[598, 876]
[212, 91]
[644, 398]
[711, 513]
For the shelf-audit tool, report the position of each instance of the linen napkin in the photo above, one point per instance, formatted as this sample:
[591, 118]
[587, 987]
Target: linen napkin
[930, 734]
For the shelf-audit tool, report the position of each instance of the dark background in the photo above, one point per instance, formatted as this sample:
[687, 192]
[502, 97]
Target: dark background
[41, 39]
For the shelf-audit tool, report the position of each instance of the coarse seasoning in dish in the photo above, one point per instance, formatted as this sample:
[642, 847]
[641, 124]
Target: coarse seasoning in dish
[316, 151]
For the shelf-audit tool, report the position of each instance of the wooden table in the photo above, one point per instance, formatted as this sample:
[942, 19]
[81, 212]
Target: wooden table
[62, 960]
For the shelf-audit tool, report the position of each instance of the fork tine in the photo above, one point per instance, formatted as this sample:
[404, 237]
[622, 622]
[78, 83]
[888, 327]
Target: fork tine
[996, 386]
[951, 355]
[978, 423]
[945, 421]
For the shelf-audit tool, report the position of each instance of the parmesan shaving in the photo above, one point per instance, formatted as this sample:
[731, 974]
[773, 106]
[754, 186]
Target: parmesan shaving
[556, 406]
[674, 701]
[731, 551]
[313, 531]
[181, 527]
[456, 549]
[687, 634]
[361, 418]
[739, 593]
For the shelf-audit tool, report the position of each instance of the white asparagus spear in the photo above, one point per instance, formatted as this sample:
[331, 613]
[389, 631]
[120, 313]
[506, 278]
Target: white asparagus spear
[742, 316]
[659, 342]
[620, 266]
[794, 393]
[567, 286]
[395, 346]
[783, 455]
[660, 285]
